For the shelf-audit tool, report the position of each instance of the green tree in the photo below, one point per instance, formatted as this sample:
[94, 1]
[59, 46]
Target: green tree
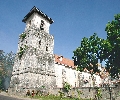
[6, 65]
[89, 52]
[94, 48]
[113, 37]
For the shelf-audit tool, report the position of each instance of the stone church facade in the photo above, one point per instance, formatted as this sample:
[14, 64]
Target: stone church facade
[34, 61]
[35, 64]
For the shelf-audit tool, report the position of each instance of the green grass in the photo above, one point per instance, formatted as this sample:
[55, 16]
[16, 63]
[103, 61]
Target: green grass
[53, 97]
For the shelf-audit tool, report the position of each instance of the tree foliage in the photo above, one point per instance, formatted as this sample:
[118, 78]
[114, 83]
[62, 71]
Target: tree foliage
[87, 55]
[6, 65]
[94, 48]
[113, 37]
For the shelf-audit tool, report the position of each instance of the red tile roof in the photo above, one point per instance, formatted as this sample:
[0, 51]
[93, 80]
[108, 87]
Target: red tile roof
[104, 75]
[64, 61]
[70, 63]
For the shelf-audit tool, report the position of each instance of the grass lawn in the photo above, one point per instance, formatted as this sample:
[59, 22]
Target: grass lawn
[52, 97]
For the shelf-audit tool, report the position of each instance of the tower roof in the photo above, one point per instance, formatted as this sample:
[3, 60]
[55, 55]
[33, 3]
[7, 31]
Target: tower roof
[34, 9]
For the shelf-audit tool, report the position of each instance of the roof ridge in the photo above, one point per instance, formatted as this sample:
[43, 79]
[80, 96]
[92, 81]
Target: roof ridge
[35, 9]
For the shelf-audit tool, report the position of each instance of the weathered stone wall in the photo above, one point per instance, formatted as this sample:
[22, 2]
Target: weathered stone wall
[35, 68]
[38, 39]
[88, 93]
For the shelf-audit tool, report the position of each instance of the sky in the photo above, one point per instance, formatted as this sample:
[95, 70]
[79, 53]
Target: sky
[73, 20]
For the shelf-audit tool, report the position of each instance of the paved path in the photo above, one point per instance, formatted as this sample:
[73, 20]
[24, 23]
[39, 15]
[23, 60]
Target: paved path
[2, 97]
[5, 96]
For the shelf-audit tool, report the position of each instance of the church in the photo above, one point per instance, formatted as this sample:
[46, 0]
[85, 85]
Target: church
[35, 63]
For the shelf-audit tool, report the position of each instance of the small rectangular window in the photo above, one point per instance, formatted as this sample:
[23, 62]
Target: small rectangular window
[30, 22]
[75, 84]
[46, 48]
[83, 77]
[75, 74]
[42, 25]
[40, 42]
[89, 77]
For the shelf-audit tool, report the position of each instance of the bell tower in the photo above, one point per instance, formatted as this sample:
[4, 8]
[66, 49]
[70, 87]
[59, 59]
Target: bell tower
[38, 19]
[34, 61]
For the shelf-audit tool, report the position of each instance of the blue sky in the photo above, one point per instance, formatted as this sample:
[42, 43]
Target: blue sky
[73, 20]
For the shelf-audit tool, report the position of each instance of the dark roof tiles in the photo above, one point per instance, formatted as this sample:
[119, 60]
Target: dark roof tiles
[34, 9]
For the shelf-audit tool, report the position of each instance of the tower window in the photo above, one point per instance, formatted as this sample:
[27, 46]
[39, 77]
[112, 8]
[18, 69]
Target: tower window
[30, 22]
[46, 48]
[40, 42]
[42, 25]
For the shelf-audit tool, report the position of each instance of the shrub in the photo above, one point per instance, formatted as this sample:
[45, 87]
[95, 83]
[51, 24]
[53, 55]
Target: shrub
[28, 93]
[21, 52]
[61, 94]
[79, 93]
[98, 93]
[22, 36]
[66, 87]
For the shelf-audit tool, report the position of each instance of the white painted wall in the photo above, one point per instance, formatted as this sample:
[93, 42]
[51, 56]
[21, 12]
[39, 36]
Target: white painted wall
[85, 76]
[71, 75]
[58, 74]
[36, 20]
[98, 80]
